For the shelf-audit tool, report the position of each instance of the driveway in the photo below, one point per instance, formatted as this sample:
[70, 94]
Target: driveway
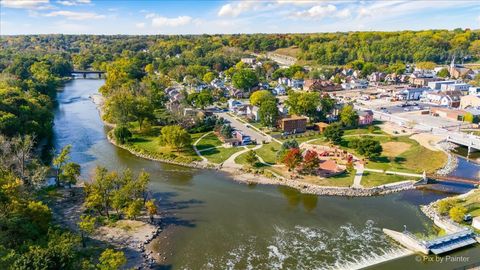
[238, 125]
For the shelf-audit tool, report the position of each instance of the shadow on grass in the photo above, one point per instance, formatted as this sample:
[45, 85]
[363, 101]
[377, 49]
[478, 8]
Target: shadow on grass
[138, 140]
[205, 146]
[399, 160]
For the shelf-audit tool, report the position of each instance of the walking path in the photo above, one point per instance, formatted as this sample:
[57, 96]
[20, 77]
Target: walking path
[230, 162]
[204, 159]
[393, 172]
[358, 177]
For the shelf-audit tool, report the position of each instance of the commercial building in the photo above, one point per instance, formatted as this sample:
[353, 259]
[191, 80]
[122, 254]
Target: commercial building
[293, 124]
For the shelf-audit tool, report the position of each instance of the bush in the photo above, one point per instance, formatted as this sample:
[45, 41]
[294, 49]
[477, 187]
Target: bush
[122, 134]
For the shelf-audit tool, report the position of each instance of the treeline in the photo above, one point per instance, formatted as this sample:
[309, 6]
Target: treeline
[221, 51]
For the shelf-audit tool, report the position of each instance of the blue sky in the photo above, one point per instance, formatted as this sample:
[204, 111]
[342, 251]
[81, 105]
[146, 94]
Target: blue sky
[239, 16]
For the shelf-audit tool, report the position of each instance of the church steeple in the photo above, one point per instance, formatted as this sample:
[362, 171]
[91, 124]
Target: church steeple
[452, 65]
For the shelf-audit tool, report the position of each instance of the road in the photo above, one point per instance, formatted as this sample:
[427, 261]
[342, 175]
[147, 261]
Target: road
[241, 126]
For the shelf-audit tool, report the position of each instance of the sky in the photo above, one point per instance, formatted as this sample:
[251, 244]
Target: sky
[140, 17]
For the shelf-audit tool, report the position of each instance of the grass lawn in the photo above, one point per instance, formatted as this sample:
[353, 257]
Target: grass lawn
[219, 155]
[365, 130]
[209, 141]
[472, 203]
[150, 145]
[268, 152]
[372, 179]
[414, 158]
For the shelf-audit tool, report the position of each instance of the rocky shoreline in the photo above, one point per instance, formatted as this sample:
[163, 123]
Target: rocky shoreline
[452, 160]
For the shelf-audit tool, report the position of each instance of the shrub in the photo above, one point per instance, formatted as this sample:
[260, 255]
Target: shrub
[121, 134]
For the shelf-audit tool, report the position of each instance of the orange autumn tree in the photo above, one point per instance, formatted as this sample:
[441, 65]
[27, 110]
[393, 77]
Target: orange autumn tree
[310, 162]
[292, 158]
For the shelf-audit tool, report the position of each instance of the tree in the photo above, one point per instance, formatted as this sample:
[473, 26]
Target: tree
[245, 79]
[175, 136]
[334, 133]
[443, 73]
[200, 100]
[122, 134]
[369, 148]
[251, 158]
[59, 162]
[258, 97]
[133, 209]
[426, 65]
[457, 213]
[292, 158]
[151, 209]
[226, 131]
[111, 260]
[268, 113]
[310, 162]
[86, 226]
[70, 174]
[303, 103]
[444, 206]
[348, 116]
[209, 77]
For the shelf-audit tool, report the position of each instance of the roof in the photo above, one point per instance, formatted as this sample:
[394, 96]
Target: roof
[322, 124]
[365, 113]
[329, 165]
[294, 117]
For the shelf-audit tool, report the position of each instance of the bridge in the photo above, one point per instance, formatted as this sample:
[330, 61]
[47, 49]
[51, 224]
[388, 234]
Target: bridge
[453, 179]
[451, 242]
[437, 246]
[85, 72]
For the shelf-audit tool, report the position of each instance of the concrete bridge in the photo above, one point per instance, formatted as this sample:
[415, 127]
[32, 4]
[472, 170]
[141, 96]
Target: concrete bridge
[472, 142]
[84, 73]
[437, 246]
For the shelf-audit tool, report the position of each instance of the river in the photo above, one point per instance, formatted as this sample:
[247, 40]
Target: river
[215, 223]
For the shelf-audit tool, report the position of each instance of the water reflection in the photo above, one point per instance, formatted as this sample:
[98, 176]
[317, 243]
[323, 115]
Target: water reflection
[295, 197]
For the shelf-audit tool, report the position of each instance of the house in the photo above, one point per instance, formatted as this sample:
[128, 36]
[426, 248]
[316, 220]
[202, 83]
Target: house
[296, 84]
[359, 83]
[320, 85]
[470, 101]
[473, 90]
[476, 223]
[241, 110]
[248, 60]
[365, 117]
[456, 114]
[411, 93]
[446, 98]
[244, 139]
[284, 80]
[293, 124]
[252, 112]
[320, 126]
[421, 81]
[463, 87]
[232, 103]
[437, 85]
[376, 77]
[279, 90]
[282, 109]
[218, 83]
[458, 71]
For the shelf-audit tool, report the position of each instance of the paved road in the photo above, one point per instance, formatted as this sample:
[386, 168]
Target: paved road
[237, 125]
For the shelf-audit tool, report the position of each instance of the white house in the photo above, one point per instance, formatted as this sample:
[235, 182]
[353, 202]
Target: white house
[437, 85]
[279, 90]
[472, 90]
[232, 103]
[411, 93]
[447, 98]
[463, 87]
[248, 60]
[252, 112]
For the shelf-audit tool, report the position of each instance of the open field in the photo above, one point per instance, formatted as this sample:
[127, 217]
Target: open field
[220, 154]
[209, 141]
[373, 179]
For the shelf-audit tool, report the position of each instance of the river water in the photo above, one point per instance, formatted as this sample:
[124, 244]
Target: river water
[215, 223]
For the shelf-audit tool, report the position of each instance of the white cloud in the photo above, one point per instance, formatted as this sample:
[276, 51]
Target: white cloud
[150, 15]
[235, 9]
[140, 25]
[78, 16]
[159, 21]
[73, 2]
[27, 4]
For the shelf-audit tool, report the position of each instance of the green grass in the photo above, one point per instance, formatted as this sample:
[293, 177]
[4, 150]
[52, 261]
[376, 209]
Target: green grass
[219, 155]
[365, 130]
[150, 145]
[209, 141]
[373, 179]
[268, 152]
[416, 159]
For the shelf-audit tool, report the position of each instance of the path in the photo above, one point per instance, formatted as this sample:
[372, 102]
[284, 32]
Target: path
[204, 159]
[230, 162]
[393, 172]
[358, 176]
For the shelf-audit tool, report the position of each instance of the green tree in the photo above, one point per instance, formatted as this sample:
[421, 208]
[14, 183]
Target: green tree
[258, 97]
[151, 209]
[209, 77]
[428, 65]
[369, 148]
[226, 131]
[86, 226]
[245, 79]
[348, 116]
[251, 158]
[444, 206]
[111, 260]
[70, 174]
[134, 209]
[457, 213]
[304, 103]
[334, 133]
[60, 161]
[122, 134]
[268, 113]
[443, 73]
[175, 136]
